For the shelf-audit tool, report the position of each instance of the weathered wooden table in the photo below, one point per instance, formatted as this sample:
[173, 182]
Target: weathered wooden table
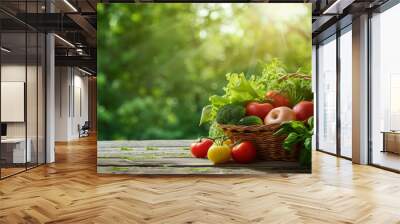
[174, 157]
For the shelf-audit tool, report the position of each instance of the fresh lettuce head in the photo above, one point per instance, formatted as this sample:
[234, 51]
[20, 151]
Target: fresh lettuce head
[238, 90]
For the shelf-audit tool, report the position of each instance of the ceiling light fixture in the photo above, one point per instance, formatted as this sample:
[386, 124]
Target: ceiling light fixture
[64, 40]
[84, 71]
[337, 7]
[70, 5]
[80, 51]
[5, 50]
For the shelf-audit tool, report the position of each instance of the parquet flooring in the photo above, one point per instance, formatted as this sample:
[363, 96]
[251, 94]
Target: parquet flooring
[7, 171]
[70, 191]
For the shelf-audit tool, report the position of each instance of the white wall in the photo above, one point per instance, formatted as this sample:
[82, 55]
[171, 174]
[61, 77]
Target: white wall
[80, 110]
[62, 81]
[71, 94]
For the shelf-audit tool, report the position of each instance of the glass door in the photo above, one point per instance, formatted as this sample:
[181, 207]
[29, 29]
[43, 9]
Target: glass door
[326, 106]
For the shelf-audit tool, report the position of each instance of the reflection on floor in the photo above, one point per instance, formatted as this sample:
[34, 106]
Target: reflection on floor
[8, 170]
[386, 159]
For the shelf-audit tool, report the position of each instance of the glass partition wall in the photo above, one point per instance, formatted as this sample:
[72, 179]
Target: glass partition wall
[334, 94]
[15, 151]
[22, 95]
[385, 89]
[327, 96]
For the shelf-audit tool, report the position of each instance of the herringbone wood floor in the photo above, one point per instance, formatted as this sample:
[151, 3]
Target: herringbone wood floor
[70, 191]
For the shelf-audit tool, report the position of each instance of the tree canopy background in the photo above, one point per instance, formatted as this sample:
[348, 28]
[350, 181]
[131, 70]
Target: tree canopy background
[159, 63]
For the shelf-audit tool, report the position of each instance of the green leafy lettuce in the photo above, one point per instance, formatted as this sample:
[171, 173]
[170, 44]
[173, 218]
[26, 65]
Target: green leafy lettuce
[238, 90]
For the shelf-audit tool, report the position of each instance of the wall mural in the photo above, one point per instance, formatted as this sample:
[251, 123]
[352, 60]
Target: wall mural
[204, 88]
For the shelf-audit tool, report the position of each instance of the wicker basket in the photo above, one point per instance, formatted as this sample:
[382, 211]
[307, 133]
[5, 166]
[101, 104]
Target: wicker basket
[269, 146]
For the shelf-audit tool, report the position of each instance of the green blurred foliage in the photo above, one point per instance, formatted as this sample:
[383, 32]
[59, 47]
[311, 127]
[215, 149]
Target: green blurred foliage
[159, 63]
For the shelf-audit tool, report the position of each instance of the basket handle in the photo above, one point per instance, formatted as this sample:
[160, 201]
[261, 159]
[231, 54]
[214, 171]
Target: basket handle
[295, 75]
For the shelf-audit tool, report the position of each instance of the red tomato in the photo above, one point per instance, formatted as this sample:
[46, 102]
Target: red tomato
[303, 110]
[277, 99]
[200, 149]
[244, 152]
[258, 109]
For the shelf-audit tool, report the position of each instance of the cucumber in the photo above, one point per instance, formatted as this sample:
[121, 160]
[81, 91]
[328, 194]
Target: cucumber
[250, 120]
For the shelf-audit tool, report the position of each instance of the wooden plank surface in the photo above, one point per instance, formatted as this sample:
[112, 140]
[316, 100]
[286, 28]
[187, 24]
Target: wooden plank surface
[174, 157]
[143, 143]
